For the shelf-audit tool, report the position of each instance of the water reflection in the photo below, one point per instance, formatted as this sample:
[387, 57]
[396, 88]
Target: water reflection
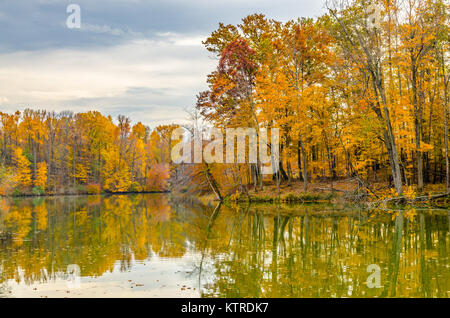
[246, 251]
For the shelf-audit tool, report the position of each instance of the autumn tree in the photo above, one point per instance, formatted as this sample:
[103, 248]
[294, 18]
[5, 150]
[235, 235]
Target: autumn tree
[23, 172]
[363, 44]
[41, 175]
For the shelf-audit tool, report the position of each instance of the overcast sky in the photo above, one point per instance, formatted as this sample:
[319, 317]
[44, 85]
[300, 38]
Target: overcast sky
[140, 58]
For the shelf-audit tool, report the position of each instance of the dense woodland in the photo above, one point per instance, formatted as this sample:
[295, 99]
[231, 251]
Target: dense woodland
[70, 153]
[353, 98]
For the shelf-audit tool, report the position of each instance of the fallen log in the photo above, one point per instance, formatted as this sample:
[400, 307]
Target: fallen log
[406, 200]
[431, 198]
[329, 189]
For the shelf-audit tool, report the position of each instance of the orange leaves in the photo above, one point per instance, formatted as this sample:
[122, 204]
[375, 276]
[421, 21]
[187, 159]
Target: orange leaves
[424, 147]
[157, 178]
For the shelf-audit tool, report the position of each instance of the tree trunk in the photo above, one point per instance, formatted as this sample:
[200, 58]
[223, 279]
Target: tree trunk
[418, 125]
[388, 133]
[254, 172]
[305, 170]
[446, 113]
[212, 183]
[447, 165]
[299, 161]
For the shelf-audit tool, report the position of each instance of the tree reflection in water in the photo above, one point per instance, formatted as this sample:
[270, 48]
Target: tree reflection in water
[249, 251]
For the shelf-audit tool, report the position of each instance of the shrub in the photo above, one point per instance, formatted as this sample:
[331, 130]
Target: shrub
[290, 197]
[80, 189]
[37, 191]
[7, 181]
[135, 187]
[93, 188]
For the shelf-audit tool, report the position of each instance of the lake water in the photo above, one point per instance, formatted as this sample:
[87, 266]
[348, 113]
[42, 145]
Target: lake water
[150, 246]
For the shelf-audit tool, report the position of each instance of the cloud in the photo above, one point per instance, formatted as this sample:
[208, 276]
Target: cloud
[102, 29]
[182, 39]
[140, 58]
[35, 25]
[133, 79]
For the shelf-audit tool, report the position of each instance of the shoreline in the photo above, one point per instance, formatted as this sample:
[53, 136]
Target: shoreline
[80, 194]
[336, 192]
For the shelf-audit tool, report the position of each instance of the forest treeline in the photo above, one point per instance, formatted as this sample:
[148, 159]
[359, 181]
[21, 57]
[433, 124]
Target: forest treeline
[64, 153]
[354, 95]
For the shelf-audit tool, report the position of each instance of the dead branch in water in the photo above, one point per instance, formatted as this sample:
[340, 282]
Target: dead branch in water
[329, 189]
[406, 200]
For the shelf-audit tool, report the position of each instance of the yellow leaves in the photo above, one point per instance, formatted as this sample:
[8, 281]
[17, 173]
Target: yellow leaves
[410, 214]
[118, 182]
[93, 188]
[23, 173]
[81, 173]
[394, 215]
[139, 131]
[409, 193]
[393, 192]
[41, 175]
[32, 125]
[19, 220]
[424, 147]
[41, 214]
[362, 164]
[235, 196]
[116, 174]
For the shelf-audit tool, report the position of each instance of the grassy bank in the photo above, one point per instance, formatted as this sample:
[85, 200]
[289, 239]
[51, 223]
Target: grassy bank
[284, 198]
